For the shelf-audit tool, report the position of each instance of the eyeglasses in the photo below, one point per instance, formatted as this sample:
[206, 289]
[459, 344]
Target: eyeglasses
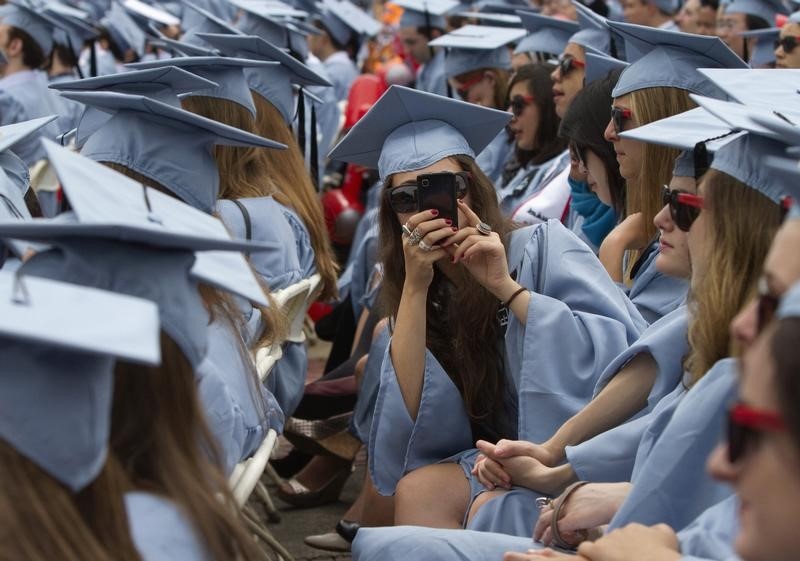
[684, 208]
[403, 199]
[745, 427]
[518, 103]
[465, 87]
[788, 43]
[567, 64]
[618, 116]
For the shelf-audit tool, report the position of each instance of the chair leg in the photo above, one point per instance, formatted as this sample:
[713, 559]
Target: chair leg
[272, 513]
[264, 534]
[274, 478]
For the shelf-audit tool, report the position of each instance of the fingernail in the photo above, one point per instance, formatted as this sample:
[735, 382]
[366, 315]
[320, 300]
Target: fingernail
[455, 228]
[434, 212]
[448, 221]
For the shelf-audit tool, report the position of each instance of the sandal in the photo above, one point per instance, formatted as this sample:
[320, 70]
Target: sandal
[339, 541]
[296, 494]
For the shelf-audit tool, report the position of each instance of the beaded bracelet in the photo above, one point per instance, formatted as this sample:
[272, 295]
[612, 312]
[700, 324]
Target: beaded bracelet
[517, 293]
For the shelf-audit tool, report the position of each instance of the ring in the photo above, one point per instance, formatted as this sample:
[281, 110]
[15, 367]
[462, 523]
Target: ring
[415, 237]
[424, 247]
[543, 502]
[406, 230]
[484, 229]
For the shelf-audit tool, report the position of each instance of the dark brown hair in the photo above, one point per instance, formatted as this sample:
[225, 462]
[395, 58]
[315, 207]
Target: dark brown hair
[540, 86]
[32, 54]
[462, 328]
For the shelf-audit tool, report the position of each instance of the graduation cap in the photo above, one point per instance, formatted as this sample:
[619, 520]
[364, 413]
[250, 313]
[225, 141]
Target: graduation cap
[59, 416]
[228, 73]
[170, 146]
[150, 13]
[343, 19]
[545, 34]
[274, 83]
[789, 169]
[776, 88]
[200, 20]
[425, 13]
[39, 24]
[74, 26]
[257, 21]
[473, 47]
[124, 31]
[182, 48]
[763, 54]
[594, 32]
[764, 9]
[497, 20]
[760, 120]
[598, 66]
[663, 58]
[407, 130]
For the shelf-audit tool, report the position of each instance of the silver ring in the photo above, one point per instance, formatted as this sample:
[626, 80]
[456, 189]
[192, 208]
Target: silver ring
[425, 247]
[484, 229]
[415, 237]
[406, 230]
[543, 503]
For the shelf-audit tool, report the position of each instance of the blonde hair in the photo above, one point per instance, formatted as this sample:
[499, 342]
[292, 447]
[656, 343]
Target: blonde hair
[649, 105]
[742, 223]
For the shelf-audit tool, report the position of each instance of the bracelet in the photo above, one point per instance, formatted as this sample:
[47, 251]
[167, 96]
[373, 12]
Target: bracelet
[517, 293]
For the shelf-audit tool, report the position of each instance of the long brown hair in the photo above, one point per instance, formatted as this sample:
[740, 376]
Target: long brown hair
[256, 172]
[463, 331]
[742, 224]
[644, 195]
[169, 450]
[41, 520]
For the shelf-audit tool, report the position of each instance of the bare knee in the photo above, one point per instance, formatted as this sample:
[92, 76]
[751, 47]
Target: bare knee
[434, 496]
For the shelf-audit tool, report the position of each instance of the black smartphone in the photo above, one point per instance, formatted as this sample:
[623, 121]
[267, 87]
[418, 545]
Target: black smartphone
[438, 191]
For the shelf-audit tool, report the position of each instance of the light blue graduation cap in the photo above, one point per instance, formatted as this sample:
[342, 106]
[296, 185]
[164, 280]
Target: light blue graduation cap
[594, 33]
[150, 13]
[257, 21]
[197, 19]
[497, 20]
[124, 31]
[58, 417]
[274, 83]
[473, 47]
[228, 73]
[343, 19]
[763, 121]
[425, 13]
[763, 54]
[764, 9]
[663, 58]
[776, 88]
[168, 145]
[74, 27]
[500, 6]
[37, 23]
[545, 34]
[182, 48]
[789, 169]
[598, 66]
[407, 130]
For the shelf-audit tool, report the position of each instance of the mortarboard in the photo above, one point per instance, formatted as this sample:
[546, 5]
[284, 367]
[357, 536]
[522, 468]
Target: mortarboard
[274, 83]
[228, 73]
[150, 13]
[408, 130]
[598, 66]
[74, 27]
[764, 9]
[124, 31]
[284, 34]
[663, 58]
[342, 19]
[594, 33]
[767, 87]
[473, 47]
[497, 20]
[749, 118]
[545, 34]
[168, 145]
[39, 24]
[763, 54]
[199, 20]
[425, 13]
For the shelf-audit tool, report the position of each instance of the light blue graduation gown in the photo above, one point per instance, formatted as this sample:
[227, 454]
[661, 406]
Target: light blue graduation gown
[291, 263]
[528, 181]
[26, 96]
[431, 76]
[492, 158]
[71, 111]
[577, 323]
[160, 531]
[328, 115]
[364, 410]
[711, 536]
[654, 293]
[341, 71]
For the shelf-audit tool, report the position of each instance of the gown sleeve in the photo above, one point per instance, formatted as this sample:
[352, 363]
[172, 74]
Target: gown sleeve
[710, 536]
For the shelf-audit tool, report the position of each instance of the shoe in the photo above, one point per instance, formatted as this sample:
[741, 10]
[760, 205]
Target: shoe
[339, 541]
[329, 437]
[297, 494]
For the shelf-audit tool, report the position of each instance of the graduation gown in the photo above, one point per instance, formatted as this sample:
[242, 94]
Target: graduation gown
[26, 96]
[577, 323]
[342, 71]
[654, 293]
[431, 76]
[529, 182]
[492, 158]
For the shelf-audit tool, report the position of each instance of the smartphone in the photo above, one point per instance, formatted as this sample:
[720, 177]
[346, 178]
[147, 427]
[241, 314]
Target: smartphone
[438, 191]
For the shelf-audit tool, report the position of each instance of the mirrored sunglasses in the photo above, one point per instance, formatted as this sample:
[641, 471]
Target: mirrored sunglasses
[404, 198]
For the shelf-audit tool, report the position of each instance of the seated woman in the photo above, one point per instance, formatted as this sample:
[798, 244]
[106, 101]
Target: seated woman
[486, 380]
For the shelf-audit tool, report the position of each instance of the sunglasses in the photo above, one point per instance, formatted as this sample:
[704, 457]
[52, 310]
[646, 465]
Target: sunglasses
[746, 425]
[567, 64]
[788, 43]
[518, 103]
[464, 89]
[684, 208]
[404, 198]
[618, 116]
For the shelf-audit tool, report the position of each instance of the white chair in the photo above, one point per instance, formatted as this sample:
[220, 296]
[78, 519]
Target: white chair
[293, 301]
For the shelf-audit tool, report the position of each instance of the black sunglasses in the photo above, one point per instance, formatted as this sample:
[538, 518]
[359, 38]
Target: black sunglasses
[403, 199]
[567, 64]
[684, 208]
[518, 103]
[746, 426]
[618, 116]
[788, 43]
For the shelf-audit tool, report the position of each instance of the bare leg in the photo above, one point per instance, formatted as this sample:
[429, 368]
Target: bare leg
[436, 496]
[371, 508]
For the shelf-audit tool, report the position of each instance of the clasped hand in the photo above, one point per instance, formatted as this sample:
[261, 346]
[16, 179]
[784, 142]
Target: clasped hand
[513, 462]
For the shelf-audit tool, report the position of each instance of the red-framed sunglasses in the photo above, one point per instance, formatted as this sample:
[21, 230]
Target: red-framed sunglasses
[465, 87]
[684, 208]
[518, 103]
[745, 427]
[618, 116]
[568, 63]
[788, 43]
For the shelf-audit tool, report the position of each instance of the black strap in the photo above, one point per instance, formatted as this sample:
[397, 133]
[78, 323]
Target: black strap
[314, 157]
[72, 50]
[92, 58]
[301, 122]
[248, 225]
